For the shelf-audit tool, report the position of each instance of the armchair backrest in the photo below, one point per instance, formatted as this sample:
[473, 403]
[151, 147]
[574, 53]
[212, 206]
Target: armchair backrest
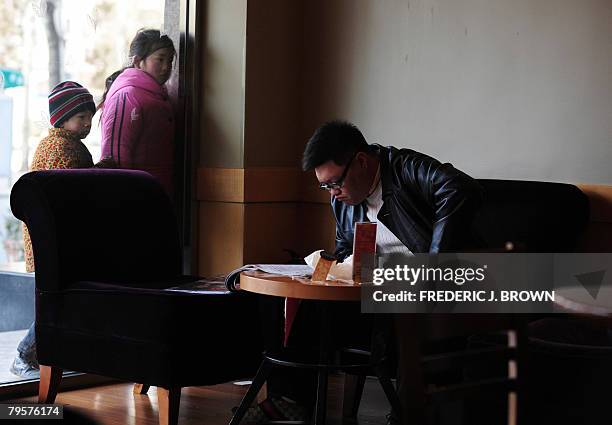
[535, 216]
[95, 224]
[597, 236]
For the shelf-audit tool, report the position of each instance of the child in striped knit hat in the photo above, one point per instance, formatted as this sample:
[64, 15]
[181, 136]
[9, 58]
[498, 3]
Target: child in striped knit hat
[71, 108]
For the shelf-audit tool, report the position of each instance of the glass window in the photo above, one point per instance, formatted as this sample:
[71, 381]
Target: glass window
[43, 42]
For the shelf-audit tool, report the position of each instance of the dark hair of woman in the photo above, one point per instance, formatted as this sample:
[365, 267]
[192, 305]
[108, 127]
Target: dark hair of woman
[145, 42]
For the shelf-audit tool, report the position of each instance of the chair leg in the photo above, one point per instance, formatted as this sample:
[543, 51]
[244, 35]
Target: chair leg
[392, 397]
[353, 390]
[258, 381]
[168, 400]
[141, 388]
[50, 377]
[321, 402]
[522, 395]
[410, 380]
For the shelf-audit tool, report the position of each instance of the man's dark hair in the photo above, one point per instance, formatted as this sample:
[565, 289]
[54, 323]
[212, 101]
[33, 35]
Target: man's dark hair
[336, 141]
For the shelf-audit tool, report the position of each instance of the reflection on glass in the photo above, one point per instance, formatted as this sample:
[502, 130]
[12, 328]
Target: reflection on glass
[43, 42]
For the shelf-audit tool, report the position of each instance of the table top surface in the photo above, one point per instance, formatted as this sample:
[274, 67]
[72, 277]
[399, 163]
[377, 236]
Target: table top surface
[577, 299]
[295, 287]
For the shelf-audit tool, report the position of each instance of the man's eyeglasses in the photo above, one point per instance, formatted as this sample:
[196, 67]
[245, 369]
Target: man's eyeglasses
[338, 183]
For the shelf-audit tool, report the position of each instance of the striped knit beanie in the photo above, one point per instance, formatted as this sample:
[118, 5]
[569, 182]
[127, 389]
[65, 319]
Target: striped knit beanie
[67, 99]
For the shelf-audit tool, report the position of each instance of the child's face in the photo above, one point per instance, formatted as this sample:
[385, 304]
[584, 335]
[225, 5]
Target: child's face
[158, 64]
[79, 123]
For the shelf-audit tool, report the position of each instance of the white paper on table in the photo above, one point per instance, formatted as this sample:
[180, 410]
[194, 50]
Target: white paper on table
[341, 271]
[285, 269]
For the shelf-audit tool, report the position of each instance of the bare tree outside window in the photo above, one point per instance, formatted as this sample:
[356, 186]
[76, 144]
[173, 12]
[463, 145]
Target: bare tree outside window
[42, 43]
[54, 40]
[49, 41]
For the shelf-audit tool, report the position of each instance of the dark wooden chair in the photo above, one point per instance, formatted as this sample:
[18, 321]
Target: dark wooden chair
[524, 216]
[416, 393]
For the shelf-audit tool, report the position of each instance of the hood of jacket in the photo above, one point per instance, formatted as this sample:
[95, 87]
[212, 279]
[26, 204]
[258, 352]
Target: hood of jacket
[133, 77]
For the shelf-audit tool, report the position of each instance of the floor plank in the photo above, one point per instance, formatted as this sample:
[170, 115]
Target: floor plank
[117, 405]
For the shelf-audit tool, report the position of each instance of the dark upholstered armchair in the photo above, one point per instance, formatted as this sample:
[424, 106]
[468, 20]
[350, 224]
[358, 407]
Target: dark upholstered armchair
[106, 248]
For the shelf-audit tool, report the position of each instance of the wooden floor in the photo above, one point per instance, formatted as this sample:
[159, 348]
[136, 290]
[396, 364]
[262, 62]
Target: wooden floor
[116, 405]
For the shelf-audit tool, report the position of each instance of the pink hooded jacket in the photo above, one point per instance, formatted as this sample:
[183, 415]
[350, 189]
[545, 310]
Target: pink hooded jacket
[138, 126]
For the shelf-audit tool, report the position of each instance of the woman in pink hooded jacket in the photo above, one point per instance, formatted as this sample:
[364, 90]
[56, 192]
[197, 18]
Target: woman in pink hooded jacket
[137, 117]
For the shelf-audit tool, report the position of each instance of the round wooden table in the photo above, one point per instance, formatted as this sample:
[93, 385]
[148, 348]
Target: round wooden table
[288, 287]
[576, 299]
[325, 292]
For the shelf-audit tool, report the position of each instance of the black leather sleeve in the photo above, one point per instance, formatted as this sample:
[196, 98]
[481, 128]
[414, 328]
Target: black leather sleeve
[344, 247]
[453, 196]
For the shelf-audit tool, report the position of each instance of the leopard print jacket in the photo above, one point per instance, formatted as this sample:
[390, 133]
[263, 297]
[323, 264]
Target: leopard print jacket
[60, 149]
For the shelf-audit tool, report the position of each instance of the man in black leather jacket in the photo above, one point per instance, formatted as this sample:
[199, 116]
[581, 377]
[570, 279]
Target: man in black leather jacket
[420, 204]
[427, 205]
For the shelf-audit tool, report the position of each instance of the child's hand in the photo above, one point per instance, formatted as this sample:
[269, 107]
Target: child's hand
[106, 162]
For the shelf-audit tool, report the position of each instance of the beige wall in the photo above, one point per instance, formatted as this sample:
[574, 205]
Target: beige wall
[273, 83]
[222, 68]
[516, 89]
[502, 88]
[252, 83]
[248, 180]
